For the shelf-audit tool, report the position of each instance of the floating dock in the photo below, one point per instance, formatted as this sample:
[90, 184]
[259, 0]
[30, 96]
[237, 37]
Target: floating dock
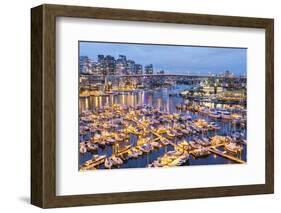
[229, 157]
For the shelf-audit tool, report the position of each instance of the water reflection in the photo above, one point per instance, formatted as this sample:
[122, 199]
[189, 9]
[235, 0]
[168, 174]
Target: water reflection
[163, 100]
[160, 99]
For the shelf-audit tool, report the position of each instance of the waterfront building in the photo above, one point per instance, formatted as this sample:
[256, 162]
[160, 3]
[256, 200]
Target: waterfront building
[131, 67]
[121, 65]
[138, 69]
[122, 58]
[109, 65]
[161, 72]
[105, 65]
[94, 68]
[100, 58]
[82, 61]
[212, 89]
[148, 69]
[100, 68]
[228, 74]
[85, 65]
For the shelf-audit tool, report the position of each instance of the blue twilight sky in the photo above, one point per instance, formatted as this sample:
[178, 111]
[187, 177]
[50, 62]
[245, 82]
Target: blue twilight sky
[174, 59]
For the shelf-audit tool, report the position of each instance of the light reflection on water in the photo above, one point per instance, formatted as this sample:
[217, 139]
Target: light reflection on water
[159, 99]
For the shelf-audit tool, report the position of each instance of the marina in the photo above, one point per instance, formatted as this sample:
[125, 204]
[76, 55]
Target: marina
[156, 129]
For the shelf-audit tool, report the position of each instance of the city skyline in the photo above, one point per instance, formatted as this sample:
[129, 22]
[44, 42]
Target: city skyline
[173, 59]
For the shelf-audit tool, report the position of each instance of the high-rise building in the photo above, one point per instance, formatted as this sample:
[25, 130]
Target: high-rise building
[131, 68]
[121, 65]
[100, 66]
[85, 65]
[82, 60]
[105, 65]
[122, 58]
[109, 65]
[139, 69]
[95, 68]
[228, 74]
[148, 69]
[100, 58]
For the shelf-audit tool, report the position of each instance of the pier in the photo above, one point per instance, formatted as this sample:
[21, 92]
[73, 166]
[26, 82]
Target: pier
[229, 157]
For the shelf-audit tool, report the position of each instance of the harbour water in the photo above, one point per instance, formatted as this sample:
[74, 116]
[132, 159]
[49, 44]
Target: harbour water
[164, 100]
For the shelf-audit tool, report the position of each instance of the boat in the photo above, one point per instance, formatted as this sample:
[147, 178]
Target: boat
[139, 152]
[133, 153]
[161, 130]
[164, 141]
[125, 157]
[201, 142]
[201, 152]
[178, 133]
[233, 148]
[108, 163]
[236, 135]
[213, 126]
[179, 160]
[180, 107]
[200, 123]
[244, 141]
[155, 122]
[83, 149]
[226, 115]
[145, 148]
[236, 116]
[183, 145]
[194, 128]
[205, 111]
[236, 122]
[91, 147]
[91, 164]
[102, 144]
[96, 137]
[206, 140]
[118, 138]
[194, 145]
[154, 164]
[174, 153]
[110, 141]
[155, 144]
[116, 160]
[214, 114]
[185, 118]
[170, 134]
[185, 131]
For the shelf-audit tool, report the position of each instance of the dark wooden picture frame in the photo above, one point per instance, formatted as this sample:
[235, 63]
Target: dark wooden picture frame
[43, 105]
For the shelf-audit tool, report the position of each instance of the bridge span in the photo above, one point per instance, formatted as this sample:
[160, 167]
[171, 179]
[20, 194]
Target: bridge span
[167, 75]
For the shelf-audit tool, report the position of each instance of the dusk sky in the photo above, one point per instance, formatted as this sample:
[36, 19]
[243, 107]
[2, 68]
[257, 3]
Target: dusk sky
[174, 59]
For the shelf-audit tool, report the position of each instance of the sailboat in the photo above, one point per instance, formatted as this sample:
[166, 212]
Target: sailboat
[108, 163]
[91, 147]
[83, 149]
[116, 161]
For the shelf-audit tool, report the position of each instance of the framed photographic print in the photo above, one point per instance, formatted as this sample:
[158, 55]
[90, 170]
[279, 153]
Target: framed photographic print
[137, 106]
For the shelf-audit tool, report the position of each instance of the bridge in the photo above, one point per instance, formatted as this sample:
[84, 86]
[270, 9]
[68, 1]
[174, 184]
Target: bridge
[166, 75]
[155, 80]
